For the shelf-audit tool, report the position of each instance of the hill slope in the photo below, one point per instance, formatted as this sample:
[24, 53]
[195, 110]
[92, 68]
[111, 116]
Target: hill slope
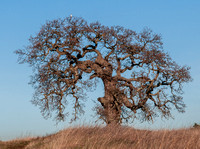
[110, 137]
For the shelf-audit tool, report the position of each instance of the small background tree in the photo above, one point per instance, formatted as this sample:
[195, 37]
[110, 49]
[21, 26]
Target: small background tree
[70, 56]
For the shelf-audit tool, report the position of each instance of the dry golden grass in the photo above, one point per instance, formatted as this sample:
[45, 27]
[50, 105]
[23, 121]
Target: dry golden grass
[111, 138]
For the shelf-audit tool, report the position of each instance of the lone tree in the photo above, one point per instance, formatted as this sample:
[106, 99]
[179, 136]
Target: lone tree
[69, 56]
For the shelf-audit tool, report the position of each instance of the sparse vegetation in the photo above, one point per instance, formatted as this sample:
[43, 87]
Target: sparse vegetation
[196, 125]
[14, 144]
[112, 138]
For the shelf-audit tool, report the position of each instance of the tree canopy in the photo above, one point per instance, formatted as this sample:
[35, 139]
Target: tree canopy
[70, 56]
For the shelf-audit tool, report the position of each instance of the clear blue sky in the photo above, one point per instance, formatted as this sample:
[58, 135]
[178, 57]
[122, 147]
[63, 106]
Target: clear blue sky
[177, 20]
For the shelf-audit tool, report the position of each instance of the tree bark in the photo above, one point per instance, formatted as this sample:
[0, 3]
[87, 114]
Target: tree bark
[111, 103]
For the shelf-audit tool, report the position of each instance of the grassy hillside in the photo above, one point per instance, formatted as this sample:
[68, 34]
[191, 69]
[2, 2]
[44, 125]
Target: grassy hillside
[111, 138]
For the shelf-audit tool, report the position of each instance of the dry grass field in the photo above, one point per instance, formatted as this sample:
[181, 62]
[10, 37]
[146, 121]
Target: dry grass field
[110, 138]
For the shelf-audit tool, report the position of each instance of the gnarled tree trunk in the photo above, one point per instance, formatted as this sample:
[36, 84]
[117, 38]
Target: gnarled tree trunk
[110, 103]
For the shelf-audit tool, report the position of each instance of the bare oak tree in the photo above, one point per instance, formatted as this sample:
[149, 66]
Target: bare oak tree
[70, 55]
